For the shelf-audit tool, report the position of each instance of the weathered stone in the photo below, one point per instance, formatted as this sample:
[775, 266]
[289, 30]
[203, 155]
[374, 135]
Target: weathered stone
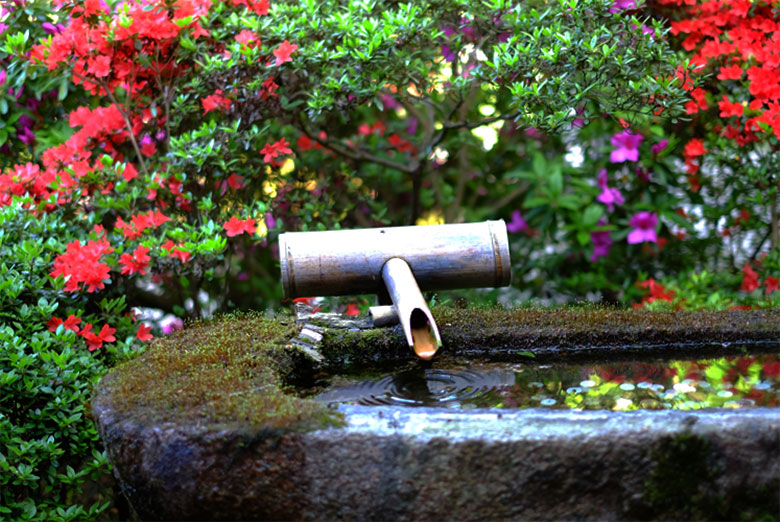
[393, 463]
[390, 463]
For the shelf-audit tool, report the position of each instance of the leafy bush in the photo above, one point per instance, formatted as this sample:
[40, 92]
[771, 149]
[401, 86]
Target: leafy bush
[49, 447]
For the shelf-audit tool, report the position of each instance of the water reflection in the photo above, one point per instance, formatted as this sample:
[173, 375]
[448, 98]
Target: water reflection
[422, 387]
[732, 382]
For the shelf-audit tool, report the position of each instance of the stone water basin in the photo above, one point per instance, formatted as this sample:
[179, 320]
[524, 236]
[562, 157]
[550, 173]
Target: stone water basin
[197, 431]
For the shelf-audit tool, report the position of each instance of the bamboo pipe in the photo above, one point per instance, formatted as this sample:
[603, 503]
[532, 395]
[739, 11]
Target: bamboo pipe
[415, 317]
[401, 261]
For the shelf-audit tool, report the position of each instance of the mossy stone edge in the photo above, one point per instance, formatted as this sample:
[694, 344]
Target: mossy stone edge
[232, 372]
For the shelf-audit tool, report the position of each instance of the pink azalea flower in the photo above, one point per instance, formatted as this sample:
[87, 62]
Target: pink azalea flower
[644, 224]
[518, 224]
[627, 144]
[609, 196]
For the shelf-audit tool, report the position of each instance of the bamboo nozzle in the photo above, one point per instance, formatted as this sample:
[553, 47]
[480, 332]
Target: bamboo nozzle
[415, 317]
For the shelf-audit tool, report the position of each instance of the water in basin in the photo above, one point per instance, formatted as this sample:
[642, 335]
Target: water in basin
[730, 382]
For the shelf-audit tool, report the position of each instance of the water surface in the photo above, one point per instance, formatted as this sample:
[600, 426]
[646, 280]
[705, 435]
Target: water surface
[729, 382]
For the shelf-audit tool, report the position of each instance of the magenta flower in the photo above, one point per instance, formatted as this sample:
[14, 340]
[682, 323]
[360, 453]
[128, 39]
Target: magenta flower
[644, 224]
[518, 223]
[170, 324]
[609, 196]
[2, 77]
[270, 221]
[658, 147]
[601, 244]
[390, 103]
[411, 126]
[642, 174]
[620, 5]
[627, 144]
[449, 54]
[26, 136]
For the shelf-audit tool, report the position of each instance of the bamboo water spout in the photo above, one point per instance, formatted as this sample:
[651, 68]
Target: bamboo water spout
[399, 263]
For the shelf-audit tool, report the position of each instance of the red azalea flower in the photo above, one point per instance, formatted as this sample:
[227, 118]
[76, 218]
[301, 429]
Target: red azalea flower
[235, 182]
[283, 52]
[135, 263]
[272, 150]
[70, 323]
[214, 102]
[771, 284]
[731, 72]
[95, 341]
[749, 279]
[728, 109]
[81, 264]
[235, 226]
[694, 148]
[144, 332]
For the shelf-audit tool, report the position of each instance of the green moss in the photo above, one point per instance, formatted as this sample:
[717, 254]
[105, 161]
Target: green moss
[683, 486]
[584, 327]
[349, 349]
[228, 372]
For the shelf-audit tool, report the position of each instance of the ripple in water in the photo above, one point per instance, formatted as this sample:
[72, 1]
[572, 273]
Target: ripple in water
[732, 382]
[421, 387]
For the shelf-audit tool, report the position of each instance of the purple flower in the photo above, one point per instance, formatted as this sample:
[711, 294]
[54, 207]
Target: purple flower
[518, 224]
[627, 144]
[609, 196]
[24, 122]
[658, 147]
[644, 224]
[449, 31]
[620, 5]
[411, 126]
[601, 243]
[389, 102]
[146, 141]
[467, 31]
[2, 77]
[26, 136]
[171, 324]
[3, 27]
[643, 174]
[449, 54]
[533, 132]
[32, 104]
[270, 220]
[49, 27]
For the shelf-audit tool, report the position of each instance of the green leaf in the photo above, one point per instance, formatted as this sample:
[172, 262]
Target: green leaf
[592, 215]
[62, 91]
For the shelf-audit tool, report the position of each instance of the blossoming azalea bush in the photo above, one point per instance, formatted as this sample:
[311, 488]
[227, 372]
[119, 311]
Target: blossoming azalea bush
[213, 122]
[688, 197]
[55, 345]
[33, 102]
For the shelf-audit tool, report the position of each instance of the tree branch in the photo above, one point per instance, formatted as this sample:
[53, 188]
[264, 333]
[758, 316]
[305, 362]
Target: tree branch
[358, 154]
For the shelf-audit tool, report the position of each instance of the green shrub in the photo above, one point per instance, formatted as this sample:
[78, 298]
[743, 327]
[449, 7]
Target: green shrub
[49, 447]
